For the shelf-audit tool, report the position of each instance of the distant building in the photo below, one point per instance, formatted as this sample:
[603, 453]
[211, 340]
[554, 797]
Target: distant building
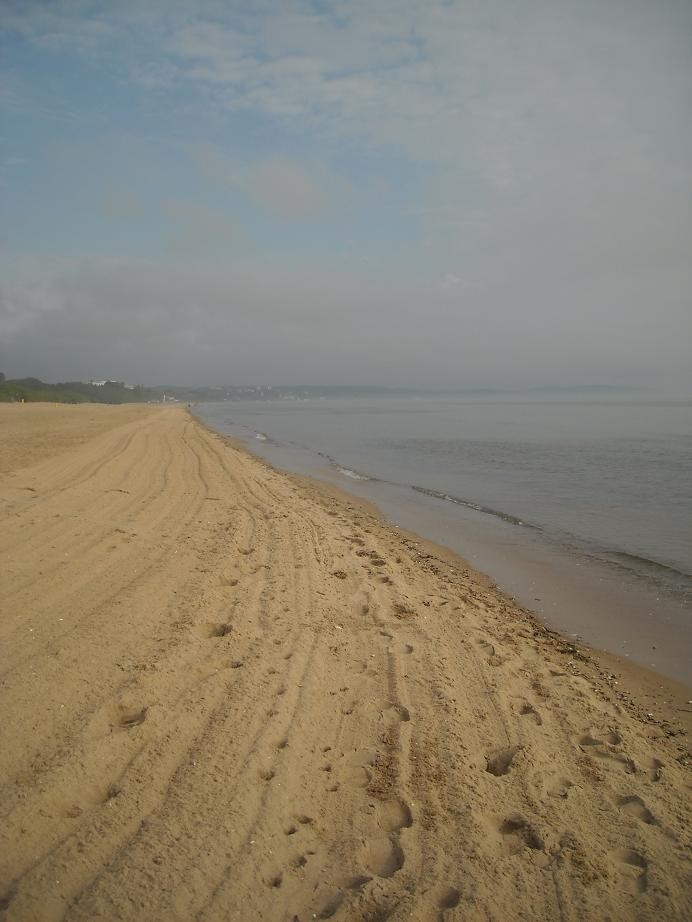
[128, 387]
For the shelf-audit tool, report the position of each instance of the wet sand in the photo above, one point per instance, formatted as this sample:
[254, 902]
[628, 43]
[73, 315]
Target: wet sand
[229, 693]
[586, 597]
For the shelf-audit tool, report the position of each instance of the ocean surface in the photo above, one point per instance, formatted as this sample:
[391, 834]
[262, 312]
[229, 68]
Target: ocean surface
[603, 486]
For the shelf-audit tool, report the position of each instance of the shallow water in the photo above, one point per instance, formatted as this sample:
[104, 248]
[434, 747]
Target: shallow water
[529, 491]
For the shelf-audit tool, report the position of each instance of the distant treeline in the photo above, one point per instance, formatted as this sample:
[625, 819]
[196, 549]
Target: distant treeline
[273, 392]
[32, 390]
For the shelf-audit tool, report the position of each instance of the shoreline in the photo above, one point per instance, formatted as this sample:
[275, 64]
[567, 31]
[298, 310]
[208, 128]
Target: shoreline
[661, 691]
[666, 699]
[591, 606]
[231, 692]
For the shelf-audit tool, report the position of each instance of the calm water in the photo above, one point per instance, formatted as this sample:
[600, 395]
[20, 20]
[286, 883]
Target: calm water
[608, 482]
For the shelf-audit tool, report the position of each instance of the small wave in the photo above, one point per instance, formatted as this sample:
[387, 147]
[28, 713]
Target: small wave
[448, 497]
[662, 574]
[345, 471]
[354, 475]
[637, 562]
[261, 436]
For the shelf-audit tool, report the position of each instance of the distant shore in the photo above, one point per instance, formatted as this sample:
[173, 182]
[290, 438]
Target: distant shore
[234, 693]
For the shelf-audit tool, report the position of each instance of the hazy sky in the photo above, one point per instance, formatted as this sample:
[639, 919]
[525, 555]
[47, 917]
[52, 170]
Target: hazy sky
[365, 191]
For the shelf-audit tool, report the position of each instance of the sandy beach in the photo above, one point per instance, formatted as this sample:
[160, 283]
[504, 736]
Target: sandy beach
[230, 693]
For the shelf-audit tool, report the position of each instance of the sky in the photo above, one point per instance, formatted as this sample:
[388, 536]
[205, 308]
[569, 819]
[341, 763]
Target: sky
[399, 192]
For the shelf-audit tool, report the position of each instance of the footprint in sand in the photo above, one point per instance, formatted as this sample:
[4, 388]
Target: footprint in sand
[393, 815]
[493, 658]
[216, 629]
[356, 770]
[112, 791]
[518, 833]
[6, 899]
[559, 786]
[131, 717]
[635, 806]
[330, 907]
[632, 868]
[402, 611]
[605, 749]
[383, 856]
[396, 714]
[88, 799]
[526, 709]
[448, 898]
[498, 763]
[653, 768]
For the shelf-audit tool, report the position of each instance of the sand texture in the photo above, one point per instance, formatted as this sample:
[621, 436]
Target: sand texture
[229, 695]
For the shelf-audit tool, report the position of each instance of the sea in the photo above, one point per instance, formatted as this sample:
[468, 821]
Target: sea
[579, 508]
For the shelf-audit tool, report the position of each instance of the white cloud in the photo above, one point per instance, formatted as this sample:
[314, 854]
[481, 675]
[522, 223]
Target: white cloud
[505, 91]
[554, 139]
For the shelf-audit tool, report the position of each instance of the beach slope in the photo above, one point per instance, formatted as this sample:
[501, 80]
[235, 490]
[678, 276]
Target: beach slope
[229, 694]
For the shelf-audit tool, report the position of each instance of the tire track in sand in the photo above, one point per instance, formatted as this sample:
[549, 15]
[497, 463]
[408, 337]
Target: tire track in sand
[273, 707]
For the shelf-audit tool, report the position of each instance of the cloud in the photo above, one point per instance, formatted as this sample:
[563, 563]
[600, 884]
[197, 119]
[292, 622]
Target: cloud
[286, 189]
[196, 231]
[257, 321]
[551, 142]
[190, 321]
[282, 187]
[508, 93]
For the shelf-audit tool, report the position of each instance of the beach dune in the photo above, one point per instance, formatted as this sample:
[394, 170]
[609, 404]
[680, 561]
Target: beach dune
[228, 693]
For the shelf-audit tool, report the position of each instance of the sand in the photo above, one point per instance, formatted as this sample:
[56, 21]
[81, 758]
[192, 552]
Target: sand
[228, 694]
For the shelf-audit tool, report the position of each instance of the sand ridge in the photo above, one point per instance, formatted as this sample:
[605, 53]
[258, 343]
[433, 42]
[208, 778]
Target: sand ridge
[229, 695]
